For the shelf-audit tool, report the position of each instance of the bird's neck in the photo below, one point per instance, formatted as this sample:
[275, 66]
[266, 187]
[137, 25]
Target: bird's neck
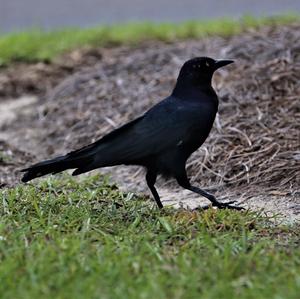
[186, 90]
[186, 84]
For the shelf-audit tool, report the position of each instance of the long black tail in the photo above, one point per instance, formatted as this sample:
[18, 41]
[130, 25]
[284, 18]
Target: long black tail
[112, 149]
[77, 159]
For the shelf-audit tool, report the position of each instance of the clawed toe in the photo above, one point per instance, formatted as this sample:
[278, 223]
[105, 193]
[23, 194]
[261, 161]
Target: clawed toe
[227, 205]
[213, 200]
[230, 202]
[221, 205]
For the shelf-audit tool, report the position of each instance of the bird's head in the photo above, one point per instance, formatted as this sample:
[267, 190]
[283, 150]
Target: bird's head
[200, 70]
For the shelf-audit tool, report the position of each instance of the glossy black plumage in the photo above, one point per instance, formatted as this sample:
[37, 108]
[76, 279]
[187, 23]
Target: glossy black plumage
[161, 140]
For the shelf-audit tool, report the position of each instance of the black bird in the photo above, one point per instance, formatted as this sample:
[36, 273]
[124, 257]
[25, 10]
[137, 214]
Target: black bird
[161, 140]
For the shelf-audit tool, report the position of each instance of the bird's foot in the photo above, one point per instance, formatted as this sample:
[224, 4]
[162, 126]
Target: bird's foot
[221, 205]
[226, 205]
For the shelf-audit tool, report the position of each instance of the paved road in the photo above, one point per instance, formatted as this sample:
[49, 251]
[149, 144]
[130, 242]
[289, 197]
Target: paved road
[20, 14]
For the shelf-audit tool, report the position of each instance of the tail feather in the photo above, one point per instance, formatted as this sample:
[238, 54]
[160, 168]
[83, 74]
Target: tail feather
[83, 169]
[103, 152]
[55, 165]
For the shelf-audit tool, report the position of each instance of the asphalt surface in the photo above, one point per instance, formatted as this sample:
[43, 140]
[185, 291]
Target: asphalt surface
[21, 14]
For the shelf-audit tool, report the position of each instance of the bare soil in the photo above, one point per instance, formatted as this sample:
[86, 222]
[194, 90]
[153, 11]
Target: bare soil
[252, 154]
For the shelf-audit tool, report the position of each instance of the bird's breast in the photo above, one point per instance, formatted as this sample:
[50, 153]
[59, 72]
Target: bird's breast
[197, 131]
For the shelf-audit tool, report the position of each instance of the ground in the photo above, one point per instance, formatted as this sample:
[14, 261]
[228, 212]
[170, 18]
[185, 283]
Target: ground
[64, 238]
[88, 237]
[251, 156]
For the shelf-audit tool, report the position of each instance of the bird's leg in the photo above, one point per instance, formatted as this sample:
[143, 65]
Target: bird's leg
[184, 182]
[151, 179]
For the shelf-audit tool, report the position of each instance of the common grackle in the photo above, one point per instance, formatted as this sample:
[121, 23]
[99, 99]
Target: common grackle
[161, 140]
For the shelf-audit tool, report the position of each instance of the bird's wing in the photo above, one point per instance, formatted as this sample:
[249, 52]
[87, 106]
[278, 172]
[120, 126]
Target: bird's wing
[93, 148]
[162, 127]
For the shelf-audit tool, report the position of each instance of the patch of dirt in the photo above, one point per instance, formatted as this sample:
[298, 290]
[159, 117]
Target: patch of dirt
[252, 154]
[9, 110]
[39, 78]
[11, 159]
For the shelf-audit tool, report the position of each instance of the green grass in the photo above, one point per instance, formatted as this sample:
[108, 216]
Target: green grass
[37, 45]
[62, 238]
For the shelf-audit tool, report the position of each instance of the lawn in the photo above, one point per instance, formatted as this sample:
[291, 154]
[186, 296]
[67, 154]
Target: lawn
[64, 238]
[84, 238]
[38, 45]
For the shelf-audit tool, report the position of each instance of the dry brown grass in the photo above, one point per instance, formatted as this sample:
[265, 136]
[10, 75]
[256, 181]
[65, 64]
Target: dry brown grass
[255, 143]
[256, 136]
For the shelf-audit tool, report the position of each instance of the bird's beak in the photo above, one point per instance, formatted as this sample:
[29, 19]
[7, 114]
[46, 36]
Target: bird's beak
[221, 63]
